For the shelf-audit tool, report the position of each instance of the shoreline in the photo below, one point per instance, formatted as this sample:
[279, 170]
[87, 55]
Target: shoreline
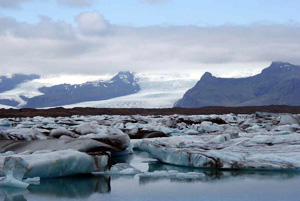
[64, 112]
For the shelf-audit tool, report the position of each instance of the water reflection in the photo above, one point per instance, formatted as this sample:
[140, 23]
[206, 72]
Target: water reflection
[212, 175]
[13, 194]
[78, 187]
[87, 187]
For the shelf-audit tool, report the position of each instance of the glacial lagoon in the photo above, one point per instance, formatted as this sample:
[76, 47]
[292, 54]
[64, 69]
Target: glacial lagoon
[215, 186]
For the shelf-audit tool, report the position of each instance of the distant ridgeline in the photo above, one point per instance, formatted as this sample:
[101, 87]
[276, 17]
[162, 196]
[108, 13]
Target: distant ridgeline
[124, 83]
[279, 84]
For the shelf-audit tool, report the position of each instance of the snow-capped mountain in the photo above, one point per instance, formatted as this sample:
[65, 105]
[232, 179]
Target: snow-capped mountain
[124, 83]
[156, 91]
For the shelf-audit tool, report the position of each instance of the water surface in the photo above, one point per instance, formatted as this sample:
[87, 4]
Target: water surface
[215, 186]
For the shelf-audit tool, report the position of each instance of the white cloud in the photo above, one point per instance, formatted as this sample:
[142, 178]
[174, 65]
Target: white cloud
[92, 23]
[94, 46]
[12, 3]
[76, 3]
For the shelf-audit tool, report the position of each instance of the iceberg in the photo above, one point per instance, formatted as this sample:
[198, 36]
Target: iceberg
[83, 145]
[173, 174]
[278, 151]
[14, 169]
[238, 141]
[121, 169]
[49, 164]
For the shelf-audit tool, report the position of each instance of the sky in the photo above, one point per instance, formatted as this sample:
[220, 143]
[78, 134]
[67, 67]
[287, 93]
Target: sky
[228, 38]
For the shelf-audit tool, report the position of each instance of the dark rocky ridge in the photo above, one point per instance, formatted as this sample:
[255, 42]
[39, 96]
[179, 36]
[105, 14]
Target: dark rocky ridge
[279, 84]
[56, 112]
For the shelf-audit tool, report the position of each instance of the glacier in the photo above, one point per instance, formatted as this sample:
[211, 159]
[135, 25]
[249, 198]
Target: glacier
[157, 90]
[160, 91]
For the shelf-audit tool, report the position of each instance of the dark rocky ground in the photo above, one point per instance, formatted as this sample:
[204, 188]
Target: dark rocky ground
[56, 112]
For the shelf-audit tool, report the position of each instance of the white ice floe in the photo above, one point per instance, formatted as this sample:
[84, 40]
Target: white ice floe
[58, 132]
[14, 169]
[260, 140]
[121, 169]
[83, 145]
[288, 119]
[22, 134]
[49, 164]
[276, 151]
[173, 174]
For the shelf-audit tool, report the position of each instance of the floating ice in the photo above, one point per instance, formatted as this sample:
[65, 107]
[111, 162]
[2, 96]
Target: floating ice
[260, 140]
[49, 164]
[173, 174]
[121, 169]
[14, 169]
[58, 132]
[83, 145]
[288, 119]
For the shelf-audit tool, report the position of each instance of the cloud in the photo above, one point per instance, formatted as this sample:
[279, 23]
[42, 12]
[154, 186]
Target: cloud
[76, 3]
[92, 23]
[93, 46]
[12, 3]
[46, 28]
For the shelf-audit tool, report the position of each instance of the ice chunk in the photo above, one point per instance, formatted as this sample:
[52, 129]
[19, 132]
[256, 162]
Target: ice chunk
[173, 174]
[48, 164]
[288, 119]
[247, 151]
[221, 138]
[84, 145]
[132, 128]
[210, 127]
[34, 180]
[88, 128]
[121, 169]
[118, 140]
[14, 169]
[191, 132]
[58, 132]
[22, 134]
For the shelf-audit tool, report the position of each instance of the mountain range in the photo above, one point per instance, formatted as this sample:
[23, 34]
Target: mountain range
[124, 83]
[279, 84]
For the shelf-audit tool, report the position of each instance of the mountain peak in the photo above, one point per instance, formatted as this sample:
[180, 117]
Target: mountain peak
[280, 64]
[124, 76]
[276, 85]
[280, 67]
[206, 75]
[125, 73]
